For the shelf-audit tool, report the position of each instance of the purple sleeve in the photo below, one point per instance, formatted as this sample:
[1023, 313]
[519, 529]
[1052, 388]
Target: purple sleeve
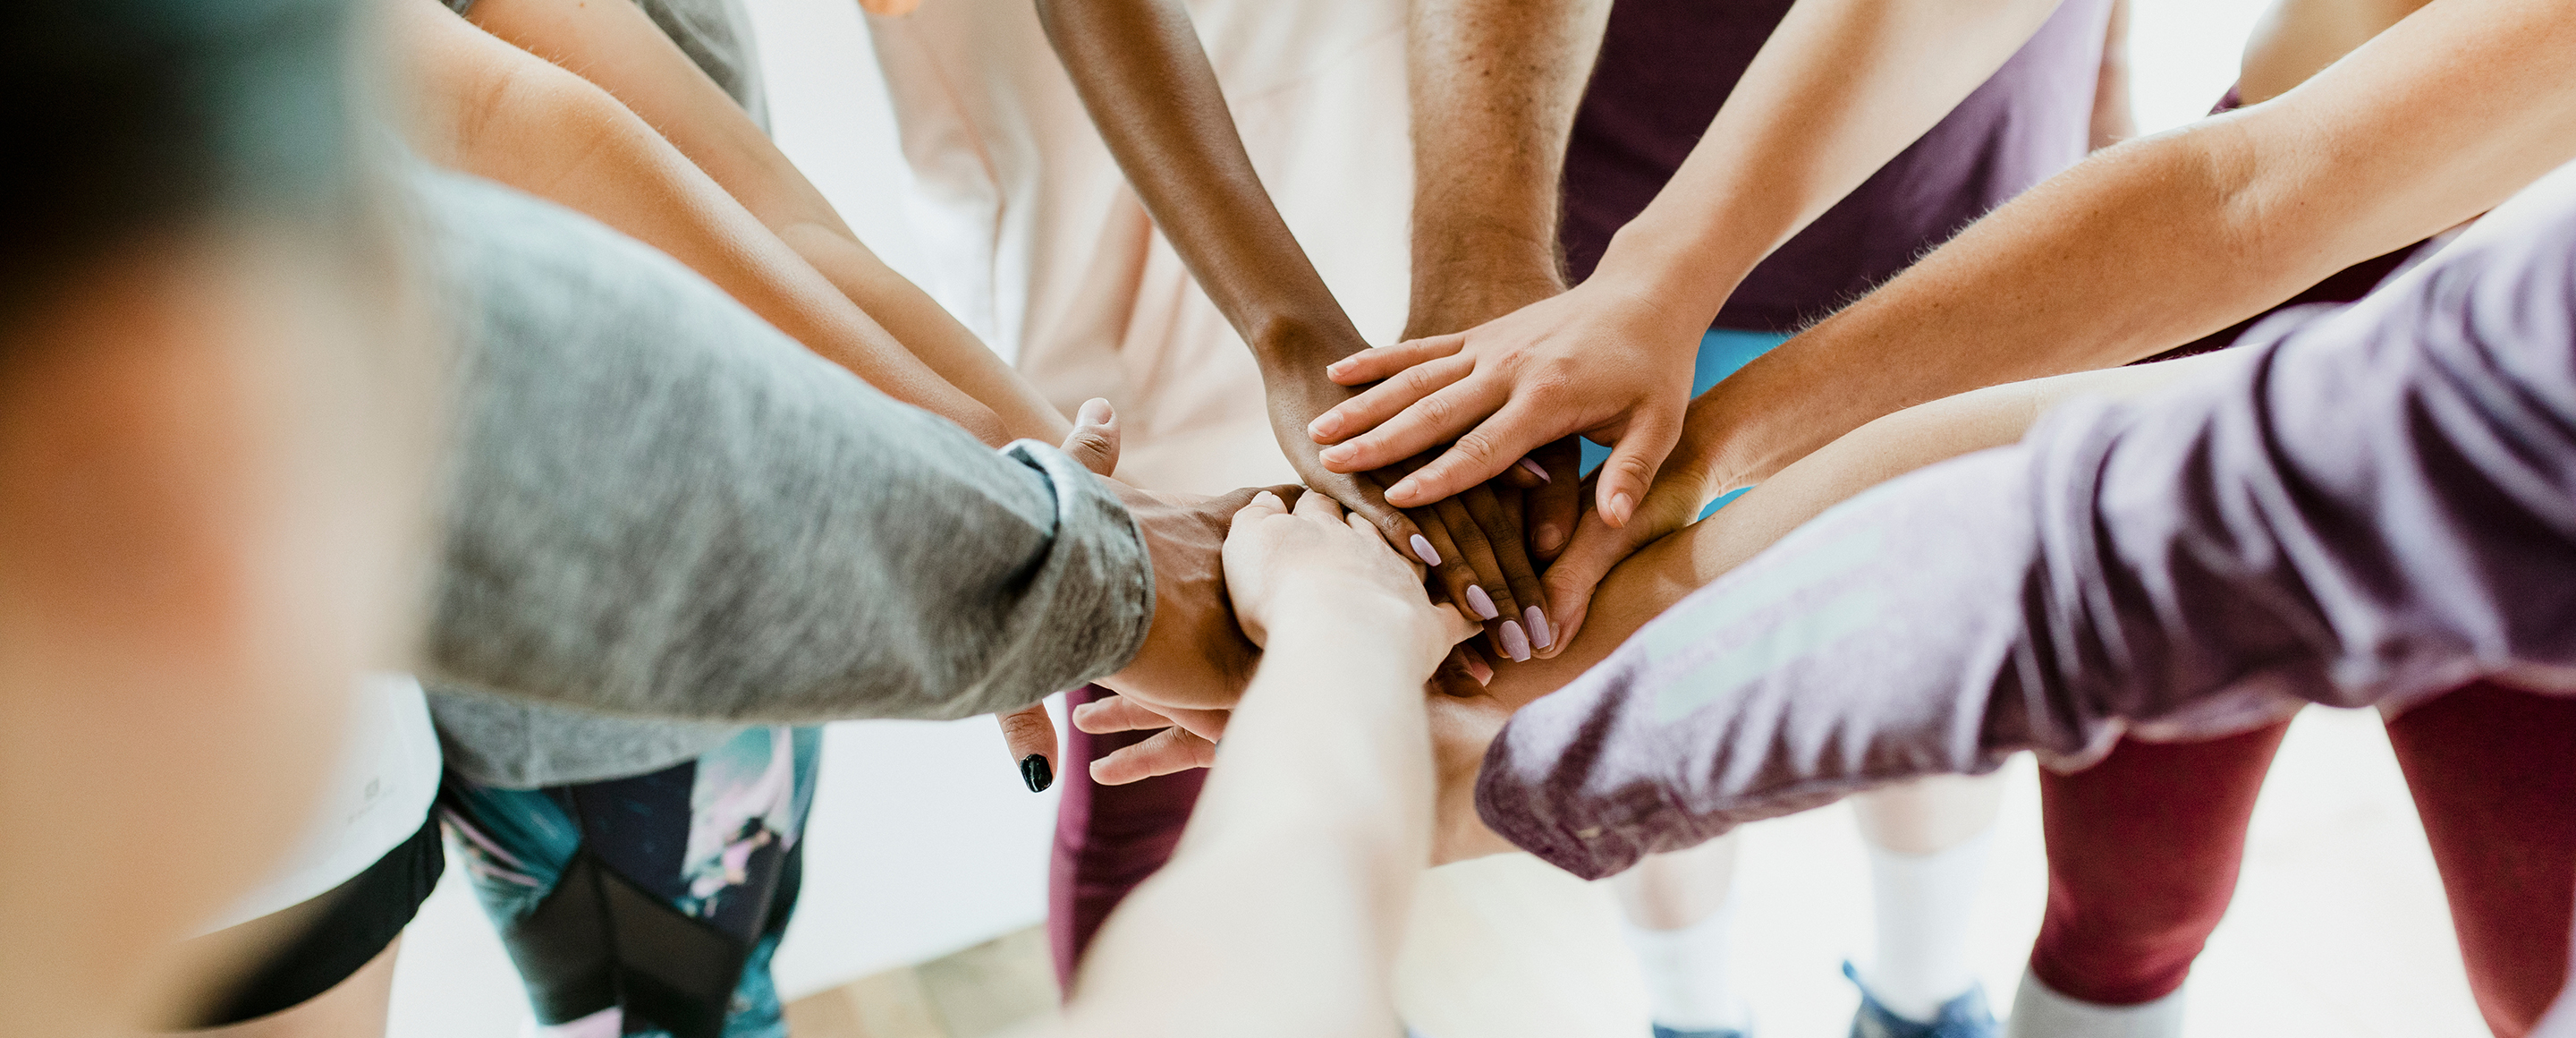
[2375, 506]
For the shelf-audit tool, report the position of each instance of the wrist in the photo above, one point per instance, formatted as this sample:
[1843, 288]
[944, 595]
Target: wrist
[1347, 613]
[1678, 273]
[1723, 444]
[1299, 344]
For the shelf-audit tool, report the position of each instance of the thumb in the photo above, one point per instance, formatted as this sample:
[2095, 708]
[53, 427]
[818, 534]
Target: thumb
[1094, 440]
[1030, 735]
[1571, 579]
[1633, 461]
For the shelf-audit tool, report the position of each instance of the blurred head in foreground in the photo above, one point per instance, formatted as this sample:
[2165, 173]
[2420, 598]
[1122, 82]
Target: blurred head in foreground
[214, 432]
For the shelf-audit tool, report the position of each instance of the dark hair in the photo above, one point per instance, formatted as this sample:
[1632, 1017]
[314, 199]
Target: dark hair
[123, 117]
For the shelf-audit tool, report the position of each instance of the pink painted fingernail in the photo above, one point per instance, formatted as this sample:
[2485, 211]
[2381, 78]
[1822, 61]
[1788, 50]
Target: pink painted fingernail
[1422, 550]
[1538, 470]
[1515, 643]
[1477, 668]
[1481, 602]
[1540, 635]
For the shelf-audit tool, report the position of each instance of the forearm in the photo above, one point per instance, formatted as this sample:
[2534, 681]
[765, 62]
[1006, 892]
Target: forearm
[2370, 510]
[484, 107]
[617, 47]
[1665, 572]
[1320, 801]
[2153, 243]
[1146, 81]
[929, 331]
[663, 507]
[1840, 88]
[1494, 87]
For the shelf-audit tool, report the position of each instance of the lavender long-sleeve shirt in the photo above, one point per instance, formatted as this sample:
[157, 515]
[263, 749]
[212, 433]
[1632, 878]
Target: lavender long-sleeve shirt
[2373, 507]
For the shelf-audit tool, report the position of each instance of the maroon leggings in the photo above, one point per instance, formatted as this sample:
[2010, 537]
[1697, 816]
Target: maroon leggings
[2143, 849]
[1107, 838]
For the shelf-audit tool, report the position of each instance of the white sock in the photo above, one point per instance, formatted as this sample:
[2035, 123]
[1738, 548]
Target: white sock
[1690, 974]
[2040, 1012]
[1924, 903]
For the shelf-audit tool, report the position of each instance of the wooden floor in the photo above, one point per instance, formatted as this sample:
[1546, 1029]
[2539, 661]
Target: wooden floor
[979, 992]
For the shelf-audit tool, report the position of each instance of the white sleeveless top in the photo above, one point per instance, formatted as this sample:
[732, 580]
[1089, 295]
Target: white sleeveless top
[377, 798]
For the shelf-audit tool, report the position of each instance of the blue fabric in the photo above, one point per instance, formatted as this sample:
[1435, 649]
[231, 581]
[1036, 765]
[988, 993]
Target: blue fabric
[1721, 352]
[1963, 1017]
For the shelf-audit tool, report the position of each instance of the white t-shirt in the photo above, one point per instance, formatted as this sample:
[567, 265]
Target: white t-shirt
[377, 798]
[1033, 239]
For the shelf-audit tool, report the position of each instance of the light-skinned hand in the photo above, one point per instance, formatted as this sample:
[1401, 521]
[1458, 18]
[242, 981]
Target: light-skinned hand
[1602, 360]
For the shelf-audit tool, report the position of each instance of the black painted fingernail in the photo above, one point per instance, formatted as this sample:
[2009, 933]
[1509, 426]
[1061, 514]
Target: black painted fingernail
[1035, 772]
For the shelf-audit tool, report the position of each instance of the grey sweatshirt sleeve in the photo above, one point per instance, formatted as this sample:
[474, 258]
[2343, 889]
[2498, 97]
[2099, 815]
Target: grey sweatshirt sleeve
[2375, 508]
[662, 506]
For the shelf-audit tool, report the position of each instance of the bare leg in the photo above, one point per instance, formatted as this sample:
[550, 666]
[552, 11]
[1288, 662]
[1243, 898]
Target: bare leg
[1927, 855]
[1680, 911]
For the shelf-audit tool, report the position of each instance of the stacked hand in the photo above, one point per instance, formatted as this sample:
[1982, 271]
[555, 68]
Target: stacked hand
[1601, 360]
[1195, 660]
[1474, 540]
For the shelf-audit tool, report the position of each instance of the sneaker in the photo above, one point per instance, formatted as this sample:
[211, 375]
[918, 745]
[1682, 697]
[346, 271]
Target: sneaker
[1963, 1017]
[1662, 1031]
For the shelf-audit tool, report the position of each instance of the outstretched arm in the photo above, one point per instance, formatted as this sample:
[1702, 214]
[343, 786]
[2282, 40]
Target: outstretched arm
[1494, 87]
[617, 47]
[1841, 87]
[479, 105]
[1147, 83]
[1320, 802]
[2372, 508]
[2153, 243]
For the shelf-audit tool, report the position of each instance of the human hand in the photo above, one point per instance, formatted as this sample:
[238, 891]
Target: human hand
[1602, 360]
[1194, 656]
[1284, 566]
[1680, 491]
[1477, 549]
[1028, 733]
[1183, 739]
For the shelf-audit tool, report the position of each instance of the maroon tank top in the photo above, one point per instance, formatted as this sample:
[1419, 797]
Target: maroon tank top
[1666, 66]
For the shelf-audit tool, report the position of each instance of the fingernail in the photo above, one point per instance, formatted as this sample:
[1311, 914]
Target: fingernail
[1621, 508]
[1540, 635]
[1477, 668]
[1538, 470]
[1095, 411]
[1404, 488]
[1515, 643]
[1264, 497]
[1035, 772]
[1336, 455]
[1324, 425]
[1548, 537]
[1422, 550]
[1481, 602]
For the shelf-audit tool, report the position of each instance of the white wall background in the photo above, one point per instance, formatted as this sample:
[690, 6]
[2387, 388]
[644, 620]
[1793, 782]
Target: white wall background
[923, 840]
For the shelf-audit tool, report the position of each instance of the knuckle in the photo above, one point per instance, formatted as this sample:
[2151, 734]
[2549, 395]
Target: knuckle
[1437, 408]
[1476, 446]
[1091, 441]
